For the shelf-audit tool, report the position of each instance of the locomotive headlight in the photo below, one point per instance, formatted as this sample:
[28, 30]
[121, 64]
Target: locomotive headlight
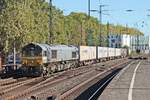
[24, 61]
[39, 61]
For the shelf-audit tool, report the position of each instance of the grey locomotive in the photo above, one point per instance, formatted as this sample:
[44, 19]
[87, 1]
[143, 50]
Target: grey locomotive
[38, 59]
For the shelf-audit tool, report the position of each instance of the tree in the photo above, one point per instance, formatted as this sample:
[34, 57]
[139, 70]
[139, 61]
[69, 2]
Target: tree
[25, 21]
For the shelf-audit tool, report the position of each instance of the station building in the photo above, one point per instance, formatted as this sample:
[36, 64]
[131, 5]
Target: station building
[118, 41]
[134, 43]
[141, 43]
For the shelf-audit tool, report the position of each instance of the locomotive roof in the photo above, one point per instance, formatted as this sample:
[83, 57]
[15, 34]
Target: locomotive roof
[45, 46]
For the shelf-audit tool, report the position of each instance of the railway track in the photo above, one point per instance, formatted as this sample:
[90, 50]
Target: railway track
[55, 85]
[43, 86]
[87, 90]
[8, 87]
[57, 89]
[12, 89]
[7, 81]
[10, 81]
[97, 88]
[64, 85]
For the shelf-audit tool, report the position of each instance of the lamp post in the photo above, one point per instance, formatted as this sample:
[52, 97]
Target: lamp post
[108, 34]
[50, 39]
[149, 37]
[89, 8]
[89, 14]
[14, 43]
[14, 54]
[131, 39]
[100, 21]
[148, 15]
[108, 38]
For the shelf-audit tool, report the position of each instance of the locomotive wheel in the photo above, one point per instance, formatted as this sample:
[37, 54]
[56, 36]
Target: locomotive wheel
[43, 70]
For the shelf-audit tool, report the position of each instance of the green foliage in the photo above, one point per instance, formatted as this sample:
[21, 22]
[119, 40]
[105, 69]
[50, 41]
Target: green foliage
[90, 38]
[133, 53]
[24, 21]
[126, 47]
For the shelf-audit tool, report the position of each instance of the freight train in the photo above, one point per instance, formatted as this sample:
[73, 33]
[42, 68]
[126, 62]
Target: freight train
[43, 59]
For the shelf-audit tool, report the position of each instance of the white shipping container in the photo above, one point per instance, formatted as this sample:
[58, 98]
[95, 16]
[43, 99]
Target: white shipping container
[118, 52]
[112, 52]
[87, 53]
[102, 52]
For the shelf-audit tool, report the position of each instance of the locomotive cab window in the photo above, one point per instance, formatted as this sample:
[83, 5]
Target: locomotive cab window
[31, 50]
[54, 54]
[74, 55]
[45, 53]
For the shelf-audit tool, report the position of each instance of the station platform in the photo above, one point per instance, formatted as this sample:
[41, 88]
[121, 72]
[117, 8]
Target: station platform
[132, 83]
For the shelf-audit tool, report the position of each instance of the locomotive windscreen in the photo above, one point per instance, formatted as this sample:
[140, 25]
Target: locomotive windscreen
[31, 51]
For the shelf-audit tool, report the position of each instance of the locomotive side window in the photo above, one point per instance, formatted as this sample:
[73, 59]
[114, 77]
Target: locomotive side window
[54, 54]
[74, 55]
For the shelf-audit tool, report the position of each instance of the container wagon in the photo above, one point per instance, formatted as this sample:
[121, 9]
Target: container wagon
[87, 55]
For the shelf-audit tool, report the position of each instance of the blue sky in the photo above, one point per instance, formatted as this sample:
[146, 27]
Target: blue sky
[117, 11]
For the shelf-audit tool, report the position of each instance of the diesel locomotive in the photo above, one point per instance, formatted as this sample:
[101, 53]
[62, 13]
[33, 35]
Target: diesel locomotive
[41, 59]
